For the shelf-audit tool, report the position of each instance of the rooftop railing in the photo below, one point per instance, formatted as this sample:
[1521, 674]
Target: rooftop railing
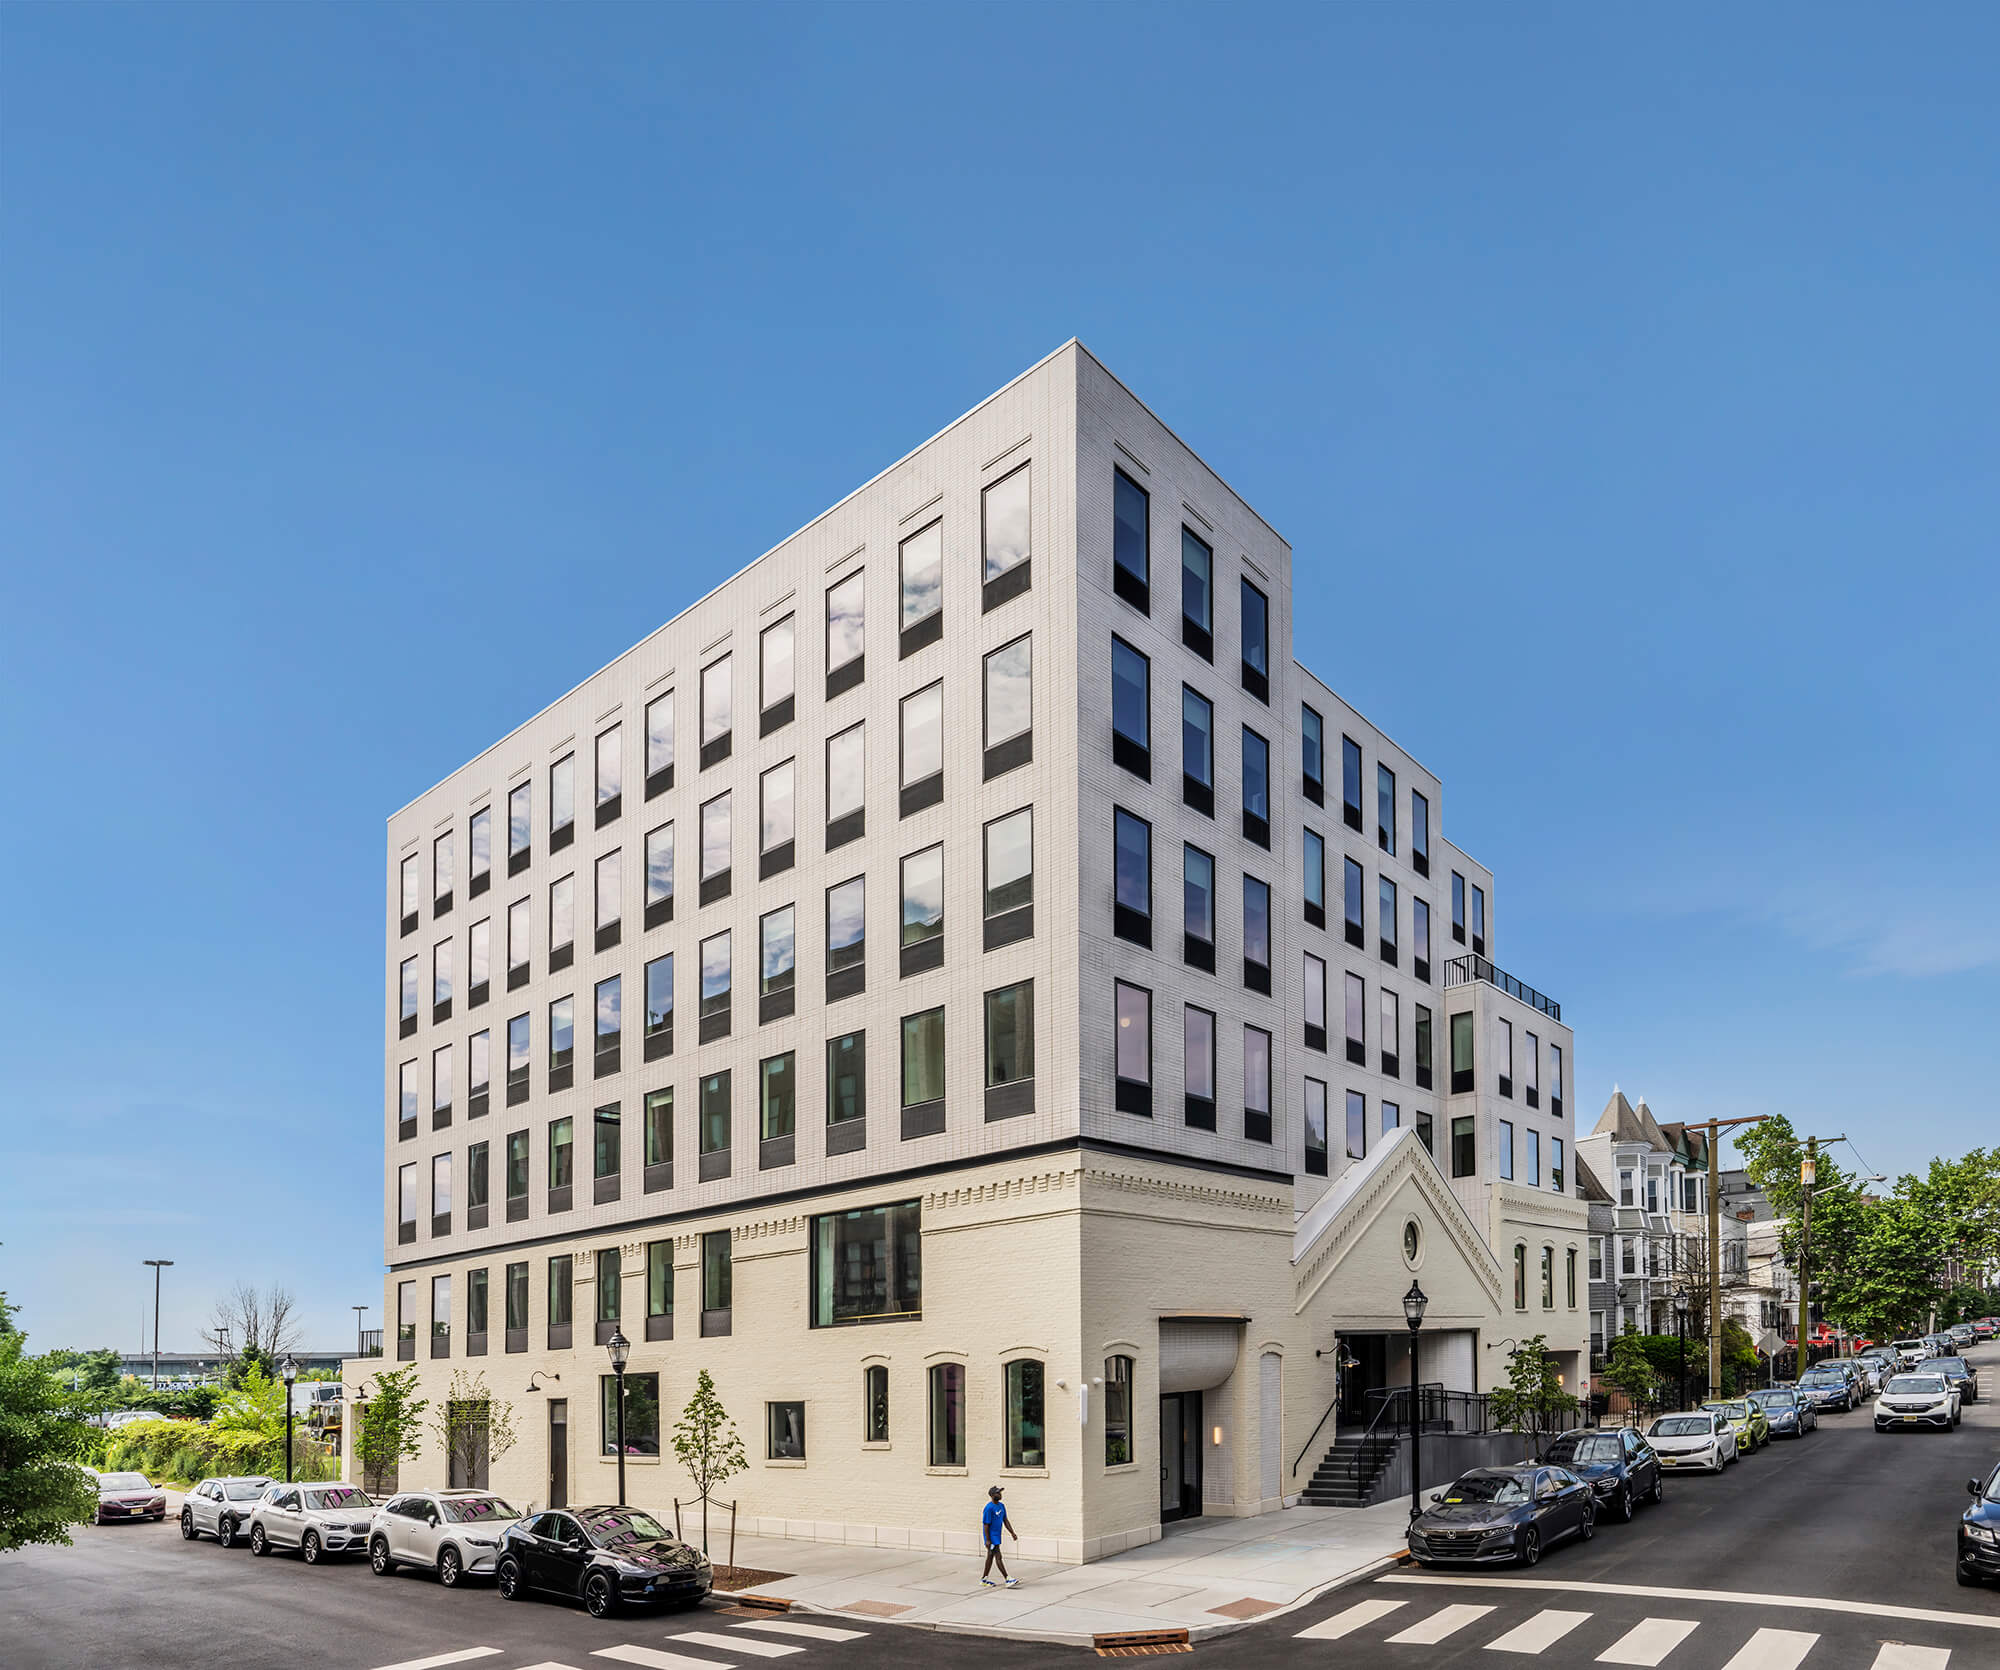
[1462, 971]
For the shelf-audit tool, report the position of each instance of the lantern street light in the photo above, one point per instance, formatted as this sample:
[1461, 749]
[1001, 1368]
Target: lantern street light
[290, 1370]
[1414, 1302]
[620, 1351]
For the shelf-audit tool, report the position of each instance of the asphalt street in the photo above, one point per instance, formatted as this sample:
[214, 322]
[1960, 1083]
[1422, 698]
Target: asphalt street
[1832, 1552]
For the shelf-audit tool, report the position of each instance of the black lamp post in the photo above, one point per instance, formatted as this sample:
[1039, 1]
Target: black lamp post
[290, 1371]
[1414, 1302]
[620, 1349]
[1680, 1327]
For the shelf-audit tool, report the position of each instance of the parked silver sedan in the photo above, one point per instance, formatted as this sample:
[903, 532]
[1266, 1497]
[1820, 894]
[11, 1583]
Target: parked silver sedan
[316, 1519]
[451, 1532]
[221, 1508]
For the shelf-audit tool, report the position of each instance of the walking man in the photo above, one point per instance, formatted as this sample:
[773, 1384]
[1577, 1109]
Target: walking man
[992, 1519]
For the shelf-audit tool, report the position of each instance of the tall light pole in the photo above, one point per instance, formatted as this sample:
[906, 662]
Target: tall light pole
[620, 1349]
[290, 1370]
[1414, 1302]
[158, 1265]
[359, 1312]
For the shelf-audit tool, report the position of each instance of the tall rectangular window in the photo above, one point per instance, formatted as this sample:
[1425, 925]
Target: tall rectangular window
[1506, 1149]
[846, 634]
[660, 1007]
[1464, 1162]
[610, 1278]
[947, 1412]
[406, 1202]
[1009, 707]
[1391, 1039]
[562, 1291]
[1531, 1069]
[562, 922]
[517, 1306]
[1256, 1084]
[1004, 537]
[1314, 851]
[520, 947]
[775, 681]
[1531, 1156]
[777, 1097]
[1131, 541]
[921, 566]
[518, 1060]
[517, 1171]
[776, 820]
[410, 889]
[715, 986]
[713, 1129]
[659, 875]
[607, 1007]
[1131, 710]
[520, 826]
[562, 801]
[1420, 833]
[607, 1149]
[1197, 595]
[609, 886]
[717, 1280]
[1351, 882]
[1257, 935]
[1198, 1054]
[1010, 878]
[440, 1315]
[1556, 1165]
[1556, 1080]
[1422, 1042]
[657, 1137]
[1134, 1049]
[441, 1086]
[562, 1153]
[1256, 788]
[1312, 754]
[610, 773]
[406, 996]
[441, 979]
[867, 1265]
[1461, 1053]
[923, 1058]
[1420, 936]
[845, 786]
[479, 1071]
[1132, 877]
[478, 963]
[846, 1082]
[1197, 752]
[1010, 1035]
[715, 848]
[1479, 921]
[1357, 1125]
[1256, 642]
[1385, 920]
[1350, 782]
[441, 873]
[659, 744]
[923, 910]
[475, 1306]
[1392, 1118]
[1315, 1128]
[1458, 907]
[717, 712]
[1385, 808]
[1198, 908]
[777, 954]
[1506, 1062]
[922, 773]
[1357, 1020]
[846, 928]
[1315, 1002]
[1025, 1426]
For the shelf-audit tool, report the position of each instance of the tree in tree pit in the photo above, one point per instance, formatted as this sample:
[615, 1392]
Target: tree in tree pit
[706, 1440]
[1533, 1400]
[1629, 1371]
[474, 1429]
[387, 1432]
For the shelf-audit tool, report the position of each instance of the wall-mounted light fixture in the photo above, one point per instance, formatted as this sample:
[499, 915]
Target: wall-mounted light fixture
[1215, 1437]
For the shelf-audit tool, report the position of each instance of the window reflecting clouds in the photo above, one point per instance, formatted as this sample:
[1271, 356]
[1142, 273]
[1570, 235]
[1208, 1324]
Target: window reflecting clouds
[1004, 522]
[715, 837]
[846, 622]
[923, 895]
[922, 570]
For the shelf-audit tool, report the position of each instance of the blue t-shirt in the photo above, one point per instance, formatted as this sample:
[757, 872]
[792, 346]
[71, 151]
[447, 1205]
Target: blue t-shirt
[993, 1517]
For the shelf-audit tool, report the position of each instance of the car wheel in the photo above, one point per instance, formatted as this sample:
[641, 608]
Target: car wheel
[599, 1600]
[1588, 1528]
[508, 1581]
[1530, 1546]
[1659, 1488]
[225, 1533]
[310, 1548]
[1625, 1507]
[188, 1532]
[1967, 1579]
[260, 1545]
[378, 1558]
[450, 1568]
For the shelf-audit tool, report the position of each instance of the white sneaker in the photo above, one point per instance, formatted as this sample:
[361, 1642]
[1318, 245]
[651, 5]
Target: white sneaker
[989, 1583]
[1013, 1583]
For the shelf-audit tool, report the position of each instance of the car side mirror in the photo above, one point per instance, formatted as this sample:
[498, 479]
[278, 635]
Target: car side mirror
[1973, 1487]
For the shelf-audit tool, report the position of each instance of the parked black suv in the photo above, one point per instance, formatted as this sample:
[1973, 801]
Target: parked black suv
[1618, 1465]
[1979, 1532]
[607, 1556]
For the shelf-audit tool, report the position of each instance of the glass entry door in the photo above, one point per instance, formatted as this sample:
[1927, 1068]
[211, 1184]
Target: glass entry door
[1180, 1456]
[558, 1452]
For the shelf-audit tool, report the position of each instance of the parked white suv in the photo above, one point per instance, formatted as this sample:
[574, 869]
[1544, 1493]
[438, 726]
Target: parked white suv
[316, 1519]
[1917, 1400]
[450, 1532]
[221, 1508]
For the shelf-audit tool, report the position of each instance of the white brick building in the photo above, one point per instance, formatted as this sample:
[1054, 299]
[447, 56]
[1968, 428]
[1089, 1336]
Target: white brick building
[965, 984]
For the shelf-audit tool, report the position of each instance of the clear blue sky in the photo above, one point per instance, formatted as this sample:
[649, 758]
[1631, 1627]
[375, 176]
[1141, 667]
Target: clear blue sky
[1625, 382]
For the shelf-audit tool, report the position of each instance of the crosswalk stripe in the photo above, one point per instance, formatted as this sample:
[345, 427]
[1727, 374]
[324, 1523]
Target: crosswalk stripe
[653, 1659]
[1543, 1630]
[1345, 1623]
[1773, 1649]
[810, 1632]
[460, 1657]
[1445, 1621]
[1648, 1641]
[734, 1644]
[548, 1664]
[1900, 1655]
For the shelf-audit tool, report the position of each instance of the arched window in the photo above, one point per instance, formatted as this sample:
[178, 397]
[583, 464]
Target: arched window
[1024, 1413]
[1520, 1276]
[1117, 1411]
[1548, 1278]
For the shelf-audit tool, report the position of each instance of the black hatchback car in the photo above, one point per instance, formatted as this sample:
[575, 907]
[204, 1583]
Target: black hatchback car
[1979, 1532]
[1619, 1466]
[605, 1556]
[1503, 1513]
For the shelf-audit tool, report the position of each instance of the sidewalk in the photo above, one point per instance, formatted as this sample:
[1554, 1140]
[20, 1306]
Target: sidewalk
[1213, 1576]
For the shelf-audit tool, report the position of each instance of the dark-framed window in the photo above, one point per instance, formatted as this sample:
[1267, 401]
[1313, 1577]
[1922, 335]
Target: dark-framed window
[717, 983]
[1198, 1057]
[1257, 935]
[1458, 907]
[785, 1431]
[478, 1072]
[610, 1285]
[777, 819]
[1315, 1128]
[607, 1146]
[1197, 752]
[1420, 936]
[777, 682]
[717, 1281]
[520, 827]
[715, 1128]
[562, 802]
[1422, 1047]
[1506, 1062]
[867, 1265]
[922, 933]
[1134, 1048]
[517, 1169]
[777, 963]
[1385, 919]
[718, 711]
[1008, 887]
[1025, 1428]
[1006, 536]
[923, 1072]
[1010, 1038]
[1256, 642]
[846, 633]
[1256, 1084]
[846, 786]
[1462, 1076]
[1197, 594]
[1132, 877]
[1420, 833]
[562, 1152]
[1117, 1411]
[1009, 707]
[660, 1289]
[777, 1109]
[479, 856]
[610, 773]
[1198, 912]
[1352, 880]
[515, 1289]
[410, 893]
[660, 1007]
[920, 570]
[1256, 788]
[1385, 808]
[1357, 1125]
[1355, 1010]
[608, 889]
[562, 1298]
[1350, 782]
[1390, 1036]
[1312, 754]
[947, 1414]
[1131, 710]
[520, 943]
[846, 1087]
[1315, 1003]
[562, 1042]
[1314, 853]
[442, 868]
[846, 938]
[1131, 542]
[642, 1413]
[562, 922]
[657, 1139]
[660, 744]
[1478, 921]
[717, 841]
[921, 748]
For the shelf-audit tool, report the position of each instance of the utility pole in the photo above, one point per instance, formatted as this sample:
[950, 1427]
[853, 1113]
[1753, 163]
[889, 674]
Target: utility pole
[158, 1265]
[1715, 1246]
[1808, 1174]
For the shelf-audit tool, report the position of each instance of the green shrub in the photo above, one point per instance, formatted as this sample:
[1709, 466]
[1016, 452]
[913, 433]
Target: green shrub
[179, 1452]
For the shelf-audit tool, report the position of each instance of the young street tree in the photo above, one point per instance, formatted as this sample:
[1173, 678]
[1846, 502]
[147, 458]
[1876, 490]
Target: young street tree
[706, 1440]
[389, 1426]
[44, 1489]
[1628, 1371]
[473, 1429]
[1533, 1400]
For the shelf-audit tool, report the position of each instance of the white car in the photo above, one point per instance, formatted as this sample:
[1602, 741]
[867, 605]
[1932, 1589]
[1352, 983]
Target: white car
[1910, 1351]
[1697, 1438]
[1917, 1400]
[455, 1533]
[316, 1519]
[221, 1508]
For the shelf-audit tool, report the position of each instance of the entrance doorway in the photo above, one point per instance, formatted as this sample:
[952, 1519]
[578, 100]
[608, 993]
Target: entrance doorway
[1180, 1456]
[1370, 1373]
[558, 1452]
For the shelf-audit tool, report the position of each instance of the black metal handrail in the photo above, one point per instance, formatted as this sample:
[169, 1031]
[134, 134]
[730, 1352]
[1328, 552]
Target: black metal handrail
[1463, 971]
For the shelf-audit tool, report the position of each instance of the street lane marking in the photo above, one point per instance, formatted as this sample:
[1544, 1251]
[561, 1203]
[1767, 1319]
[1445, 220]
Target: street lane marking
[1446, 1621]
[1540, 1632]
[1773, 1649]
[1809, 1603]
[653, 1659]
[810, 1632]
[1648, 1641]
[732, 1644]
[460, 1657]
[1345, 1623]
[1899, 1655]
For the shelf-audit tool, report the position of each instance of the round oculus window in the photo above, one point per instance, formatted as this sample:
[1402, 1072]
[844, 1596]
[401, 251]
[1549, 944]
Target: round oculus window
[1412, 1240]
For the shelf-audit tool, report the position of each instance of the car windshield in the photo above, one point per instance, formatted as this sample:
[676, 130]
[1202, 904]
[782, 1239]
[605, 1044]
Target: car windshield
[1821, 1377]
[1911, 1385]
[338, 1496]
[122, 1481]
[475, 1510]
[1735, 1411]
[1682, 1426]
[1486, 1487]
[243, 1490]
[1945, 1365]
[1586, 1448]
[1777, 1400]
[616, 1527]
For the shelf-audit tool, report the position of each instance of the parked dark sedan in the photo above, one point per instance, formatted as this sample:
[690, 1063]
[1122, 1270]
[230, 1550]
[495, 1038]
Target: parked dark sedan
[1958, 1372]
[1979, 1532]
[609, 1557]
[1619, 1466]
[128, 1496]
[1503, 1513]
